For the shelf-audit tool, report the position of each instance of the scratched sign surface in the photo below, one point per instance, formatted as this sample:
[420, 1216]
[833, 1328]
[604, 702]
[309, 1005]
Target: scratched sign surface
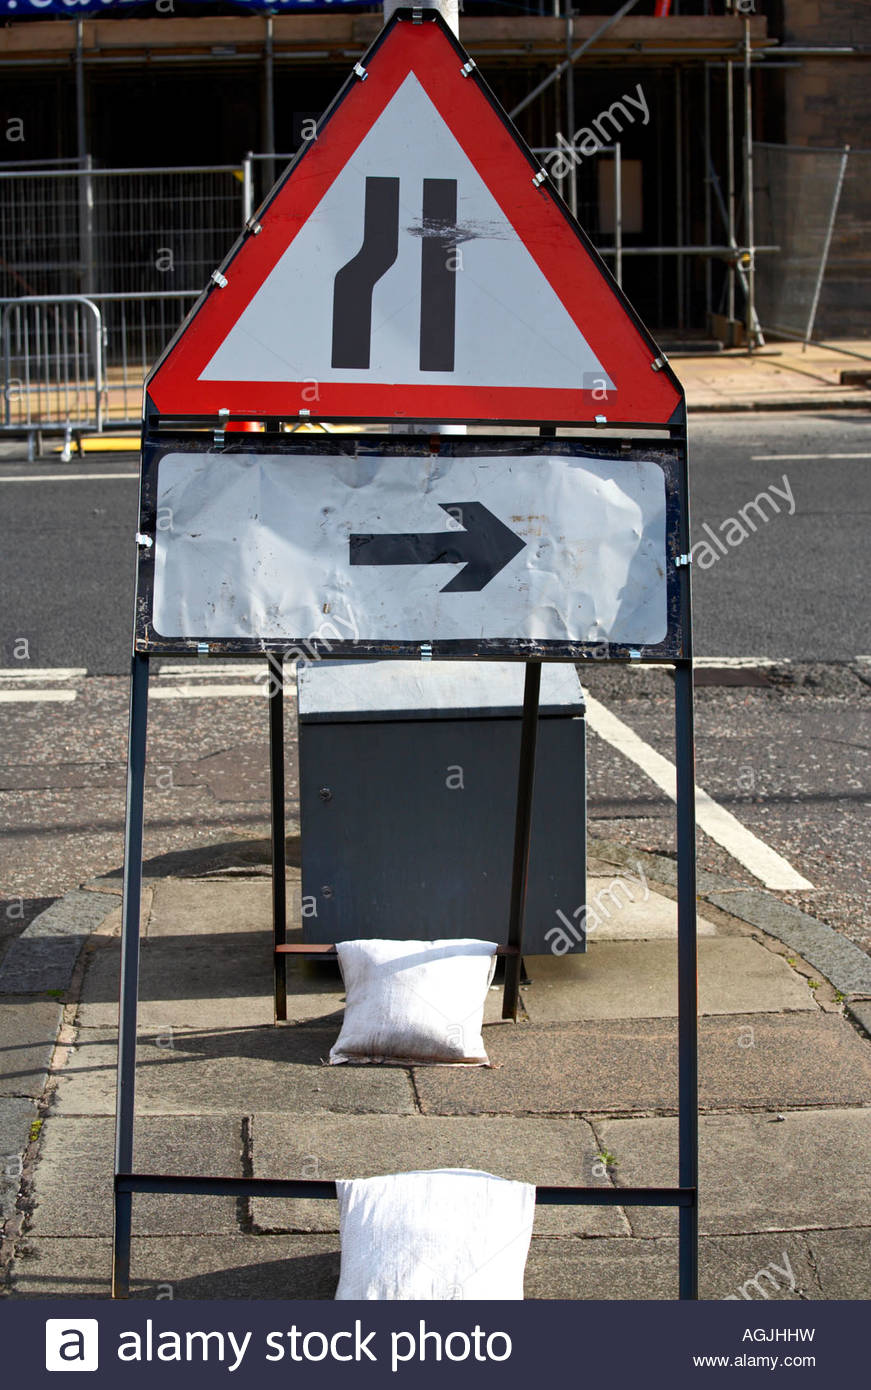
[381, 549]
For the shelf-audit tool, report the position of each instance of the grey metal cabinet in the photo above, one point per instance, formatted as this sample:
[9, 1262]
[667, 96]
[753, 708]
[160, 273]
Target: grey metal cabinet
[408, 784]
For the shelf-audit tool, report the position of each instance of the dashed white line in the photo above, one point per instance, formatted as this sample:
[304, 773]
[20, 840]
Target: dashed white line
[178, 680]
[43, 673]
[740, 663]
[208, 670]
[32, 697]
[206, 692]
[761, 860]
[64, 477]
[795, 458]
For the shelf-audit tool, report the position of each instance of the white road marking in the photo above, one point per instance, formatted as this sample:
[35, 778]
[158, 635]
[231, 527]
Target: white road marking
[43, 673]
[64, 477]
[761, 860]
[740, 663]
[789, 458]
[206, 692]
[209, 670]
[26, 697]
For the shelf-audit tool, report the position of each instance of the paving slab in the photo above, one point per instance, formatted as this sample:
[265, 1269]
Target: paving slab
[772, 1268]
[175, 1267]
[552, 1151]
[594, 1066]
[621, 910]
[756, 1172]
[224, 980]
[43, 957]
[610, 1268]
[28, 1029]
[228, 1071]
[16, 1117]
[219, 981]
[860, 1010]
[842, 962]
[843, 1261]
[621, 979]
[73, 1176]
[775, 1267]
[208, 907]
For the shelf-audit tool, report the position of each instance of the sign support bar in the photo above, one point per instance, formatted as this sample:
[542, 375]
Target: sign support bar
[522, 838]
[276, 791]
[687, 965]
[129, 995]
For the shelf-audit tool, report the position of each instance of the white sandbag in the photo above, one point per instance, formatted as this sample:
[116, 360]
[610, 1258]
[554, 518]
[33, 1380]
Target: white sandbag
[452, 1233]
[414, 1001]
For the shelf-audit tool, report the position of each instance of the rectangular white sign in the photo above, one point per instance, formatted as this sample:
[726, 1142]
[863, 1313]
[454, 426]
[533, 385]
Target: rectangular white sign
[382, 548]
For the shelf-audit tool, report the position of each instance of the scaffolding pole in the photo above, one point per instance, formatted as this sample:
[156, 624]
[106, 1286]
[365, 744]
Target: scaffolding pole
[750, 232]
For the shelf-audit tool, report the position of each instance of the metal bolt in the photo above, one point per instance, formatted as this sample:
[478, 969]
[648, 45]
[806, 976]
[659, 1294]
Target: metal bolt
[327, 891]
[325, 794]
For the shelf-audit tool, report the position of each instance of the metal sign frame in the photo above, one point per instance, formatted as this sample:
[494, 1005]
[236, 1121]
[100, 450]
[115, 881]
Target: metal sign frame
[684, 1197]
[649, 436]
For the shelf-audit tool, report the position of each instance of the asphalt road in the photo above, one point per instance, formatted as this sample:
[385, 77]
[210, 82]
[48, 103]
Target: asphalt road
[786, 749]
[795, 586]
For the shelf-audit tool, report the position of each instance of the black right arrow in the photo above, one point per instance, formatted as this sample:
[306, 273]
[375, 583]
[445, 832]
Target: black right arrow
[483, 547]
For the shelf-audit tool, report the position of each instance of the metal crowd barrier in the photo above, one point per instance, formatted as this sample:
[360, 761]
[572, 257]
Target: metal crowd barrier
[75, 364]
[53, 367]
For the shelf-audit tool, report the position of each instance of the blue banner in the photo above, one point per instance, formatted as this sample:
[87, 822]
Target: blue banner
[72, 9]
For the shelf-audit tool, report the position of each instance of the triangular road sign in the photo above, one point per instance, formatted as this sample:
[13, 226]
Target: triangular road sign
[414, 263]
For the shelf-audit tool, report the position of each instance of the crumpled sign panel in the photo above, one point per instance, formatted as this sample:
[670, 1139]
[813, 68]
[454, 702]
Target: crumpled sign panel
[427, 549]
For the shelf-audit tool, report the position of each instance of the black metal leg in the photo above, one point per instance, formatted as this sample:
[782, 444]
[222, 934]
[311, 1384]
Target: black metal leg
[522, 833]
[129, 993]
[688, 1046]
[276, 786]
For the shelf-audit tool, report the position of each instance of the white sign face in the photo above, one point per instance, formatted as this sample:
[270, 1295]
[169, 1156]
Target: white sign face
[377, 548]
[353, 300]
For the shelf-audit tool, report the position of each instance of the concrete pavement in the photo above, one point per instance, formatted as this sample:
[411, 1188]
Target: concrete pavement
[582, 1090]
[780, 376]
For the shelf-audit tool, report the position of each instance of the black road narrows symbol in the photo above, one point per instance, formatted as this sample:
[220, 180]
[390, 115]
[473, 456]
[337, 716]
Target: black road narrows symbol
[355, 282]
[438, 275]
[484, 547]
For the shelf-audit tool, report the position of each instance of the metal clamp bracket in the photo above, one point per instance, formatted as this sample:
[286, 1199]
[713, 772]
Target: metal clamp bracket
[426, 651]
[468, 67]
[680, 560]
[539, 178]
[144, 541]
[219, 279]
[218, 435]
[360, 71]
